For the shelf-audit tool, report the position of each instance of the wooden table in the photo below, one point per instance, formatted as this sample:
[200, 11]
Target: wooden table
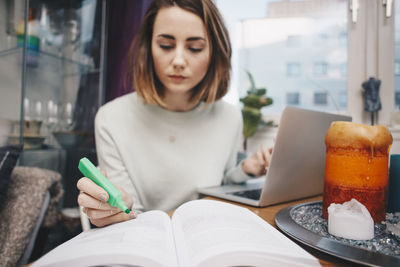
[268, 214]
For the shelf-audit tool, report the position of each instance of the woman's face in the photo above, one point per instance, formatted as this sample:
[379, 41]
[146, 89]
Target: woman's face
[180, 50]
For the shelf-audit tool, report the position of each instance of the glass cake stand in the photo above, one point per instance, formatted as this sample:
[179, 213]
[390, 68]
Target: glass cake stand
[304, 223]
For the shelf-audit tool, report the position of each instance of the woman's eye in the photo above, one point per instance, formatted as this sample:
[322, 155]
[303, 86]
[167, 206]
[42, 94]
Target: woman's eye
[195, 50]
[166, 47]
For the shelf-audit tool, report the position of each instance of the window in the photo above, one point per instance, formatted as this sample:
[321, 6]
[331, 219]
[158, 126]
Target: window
[320, 98]
[292, 98]
[343, 37]
[342, 99]
[321, 38]
[276, 41]
[397, 98]
[293, 41]
[320, 68]
[397, 67]
[343, 69]
[314, 46]
[293, 69]
[397, 54]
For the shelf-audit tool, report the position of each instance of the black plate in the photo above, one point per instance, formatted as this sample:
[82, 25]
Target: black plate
[284, 221]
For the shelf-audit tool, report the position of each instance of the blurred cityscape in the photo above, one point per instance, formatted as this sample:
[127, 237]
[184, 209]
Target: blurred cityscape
[296, 49]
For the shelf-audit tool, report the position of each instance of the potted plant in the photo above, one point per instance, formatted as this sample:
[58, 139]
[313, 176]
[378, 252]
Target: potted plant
[253, 102]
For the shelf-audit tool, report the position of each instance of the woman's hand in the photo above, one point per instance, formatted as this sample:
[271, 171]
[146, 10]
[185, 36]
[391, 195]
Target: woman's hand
[93, 200]
[258, 163]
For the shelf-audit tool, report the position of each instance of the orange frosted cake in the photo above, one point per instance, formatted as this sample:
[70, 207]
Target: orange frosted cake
[356, 166]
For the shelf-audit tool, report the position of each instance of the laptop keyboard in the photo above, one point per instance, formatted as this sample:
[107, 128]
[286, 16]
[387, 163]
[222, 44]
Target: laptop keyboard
[252, 194]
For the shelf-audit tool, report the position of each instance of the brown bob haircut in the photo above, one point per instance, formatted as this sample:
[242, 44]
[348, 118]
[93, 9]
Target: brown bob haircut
[140, 69]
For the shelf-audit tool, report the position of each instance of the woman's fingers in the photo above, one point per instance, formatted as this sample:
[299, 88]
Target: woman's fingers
[258, 163]
[119, 217]
[89, 187]
[125, 197]
[88, 201]
[260, 158]
[264, 159]
[98, 214]
[94, 199]
[267, 156]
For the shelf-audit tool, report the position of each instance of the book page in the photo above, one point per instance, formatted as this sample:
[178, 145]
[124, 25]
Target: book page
[214, 233]
[144, 241]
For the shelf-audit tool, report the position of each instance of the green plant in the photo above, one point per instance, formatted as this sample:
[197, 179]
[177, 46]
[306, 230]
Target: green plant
[253, 102]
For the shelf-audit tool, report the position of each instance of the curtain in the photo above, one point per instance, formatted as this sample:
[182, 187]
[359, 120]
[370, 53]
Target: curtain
[124, 21]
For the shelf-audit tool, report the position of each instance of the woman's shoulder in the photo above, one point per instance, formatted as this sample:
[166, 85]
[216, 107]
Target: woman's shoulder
[119, 102]
[228, 110]
[116, 107]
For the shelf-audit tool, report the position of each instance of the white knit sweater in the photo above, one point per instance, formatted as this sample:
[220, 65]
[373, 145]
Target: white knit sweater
[161, 157]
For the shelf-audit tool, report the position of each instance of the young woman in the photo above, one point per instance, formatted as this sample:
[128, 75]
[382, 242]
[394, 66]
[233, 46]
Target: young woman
[173, 134]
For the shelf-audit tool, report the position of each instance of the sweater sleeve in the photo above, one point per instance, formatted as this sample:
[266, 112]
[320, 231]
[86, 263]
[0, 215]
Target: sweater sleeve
[233, 171]
[110, 159]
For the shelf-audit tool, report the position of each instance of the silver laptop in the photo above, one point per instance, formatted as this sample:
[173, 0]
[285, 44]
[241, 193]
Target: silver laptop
[297, 164]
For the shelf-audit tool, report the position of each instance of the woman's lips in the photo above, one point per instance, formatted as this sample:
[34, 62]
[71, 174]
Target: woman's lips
[177, 78]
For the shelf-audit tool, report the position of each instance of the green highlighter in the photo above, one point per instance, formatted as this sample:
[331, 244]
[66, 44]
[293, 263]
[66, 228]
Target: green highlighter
[90, 171]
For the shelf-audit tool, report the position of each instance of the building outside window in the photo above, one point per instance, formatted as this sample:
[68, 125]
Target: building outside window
[343, 69]
[320, 68]
[320, 98]
[293, 41]
[397, 99]
[321, 39]
[293, 69]
[342, 99]
[397, 67]
[279, 41]
[292, 98]
[343, 37]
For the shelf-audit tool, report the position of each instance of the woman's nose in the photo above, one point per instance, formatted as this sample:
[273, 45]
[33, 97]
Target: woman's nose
[179, 58]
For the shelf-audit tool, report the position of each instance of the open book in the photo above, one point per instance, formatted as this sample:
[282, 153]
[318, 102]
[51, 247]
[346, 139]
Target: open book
[200, 233]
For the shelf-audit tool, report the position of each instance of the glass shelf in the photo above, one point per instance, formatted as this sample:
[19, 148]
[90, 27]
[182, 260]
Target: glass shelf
[55, 80]
[59, 78]
[44, 61]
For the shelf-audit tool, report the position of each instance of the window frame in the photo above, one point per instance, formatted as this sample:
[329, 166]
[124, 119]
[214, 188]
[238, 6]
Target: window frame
[370, 54]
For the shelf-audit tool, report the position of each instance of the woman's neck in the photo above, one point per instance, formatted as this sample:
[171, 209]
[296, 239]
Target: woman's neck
[178, 102]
